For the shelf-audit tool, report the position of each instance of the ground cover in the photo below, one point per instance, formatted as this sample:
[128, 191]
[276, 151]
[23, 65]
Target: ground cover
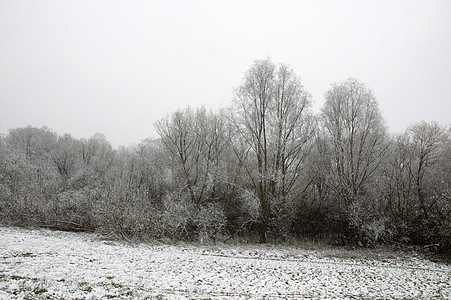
[45, 264]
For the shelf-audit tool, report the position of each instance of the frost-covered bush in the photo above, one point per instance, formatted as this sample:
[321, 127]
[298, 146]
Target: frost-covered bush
[5, 202]
[125, 215]
[283, 213]
[69, 210]
[251, 206]
[176, 217]
[371, 226]
[211, 222]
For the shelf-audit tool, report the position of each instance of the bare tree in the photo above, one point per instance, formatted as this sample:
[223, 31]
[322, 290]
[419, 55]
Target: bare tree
[66, 156]
[196, 140]
[353, 124]
[97, 157]
[270, 113]
[427, 140]
[416, 184]
[292, 130]
[33, 143]
[397, 184]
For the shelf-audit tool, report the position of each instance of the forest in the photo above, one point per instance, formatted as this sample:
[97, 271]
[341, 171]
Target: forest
[263, 169]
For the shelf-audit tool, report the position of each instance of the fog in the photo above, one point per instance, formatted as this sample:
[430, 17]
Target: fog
[116, 67]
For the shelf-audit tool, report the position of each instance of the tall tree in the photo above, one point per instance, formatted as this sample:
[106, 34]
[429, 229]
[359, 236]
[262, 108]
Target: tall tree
[270, 113]
[354, 127]
[31, 142]
[397, 184]
[66, 156]
[196, 140]
[427, 148]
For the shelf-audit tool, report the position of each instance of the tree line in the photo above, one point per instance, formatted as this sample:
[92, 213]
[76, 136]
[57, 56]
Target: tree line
[265, 169]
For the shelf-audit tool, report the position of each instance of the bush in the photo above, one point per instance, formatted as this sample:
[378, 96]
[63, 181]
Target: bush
[128, 216]
[69, 210]
[176, 218]
[211, 222]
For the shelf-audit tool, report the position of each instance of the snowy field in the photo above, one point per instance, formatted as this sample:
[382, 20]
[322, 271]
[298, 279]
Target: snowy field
[44, 264]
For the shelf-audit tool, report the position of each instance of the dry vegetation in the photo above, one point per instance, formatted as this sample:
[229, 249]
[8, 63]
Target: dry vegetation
[44, 264]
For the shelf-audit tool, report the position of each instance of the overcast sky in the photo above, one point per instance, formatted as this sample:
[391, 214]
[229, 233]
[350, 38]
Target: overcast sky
[116, 67]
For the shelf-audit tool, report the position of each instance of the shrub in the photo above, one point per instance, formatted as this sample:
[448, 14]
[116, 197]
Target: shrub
[211, 222]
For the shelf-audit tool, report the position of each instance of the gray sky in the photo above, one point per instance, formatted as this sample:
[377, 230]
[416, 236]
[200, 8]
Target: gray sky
[116, 67]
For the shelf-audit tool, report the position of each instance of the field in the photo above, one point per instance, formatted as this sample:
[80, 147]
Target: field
[44, 264]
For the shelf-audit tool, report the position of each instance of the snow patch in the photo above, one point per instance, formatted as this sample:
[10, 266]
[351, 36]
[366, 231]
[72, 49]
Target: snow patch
[44, 263]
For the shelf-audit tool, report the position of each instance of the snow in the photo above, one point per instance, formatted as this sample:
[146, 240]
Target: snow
[50, 264]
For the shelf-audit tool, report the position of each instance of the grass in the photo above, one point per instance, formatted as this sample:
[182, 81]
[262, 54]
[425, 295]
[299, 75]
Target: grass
[39, 290]
[26, 287]
[81, 266]
[85, 286]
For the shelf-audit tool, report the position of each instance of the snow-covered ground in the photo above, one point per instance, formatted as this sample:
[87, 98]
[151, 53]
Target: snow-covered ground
[48, 264]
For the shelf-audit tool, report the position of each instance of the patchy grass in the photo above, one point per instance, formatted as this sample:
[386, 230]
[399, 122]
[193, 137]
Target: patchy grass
[44, 264]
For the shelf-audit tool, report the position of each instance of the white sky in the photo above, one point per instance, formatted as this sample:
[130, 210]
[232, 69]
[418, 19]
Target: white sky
[116, 67]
